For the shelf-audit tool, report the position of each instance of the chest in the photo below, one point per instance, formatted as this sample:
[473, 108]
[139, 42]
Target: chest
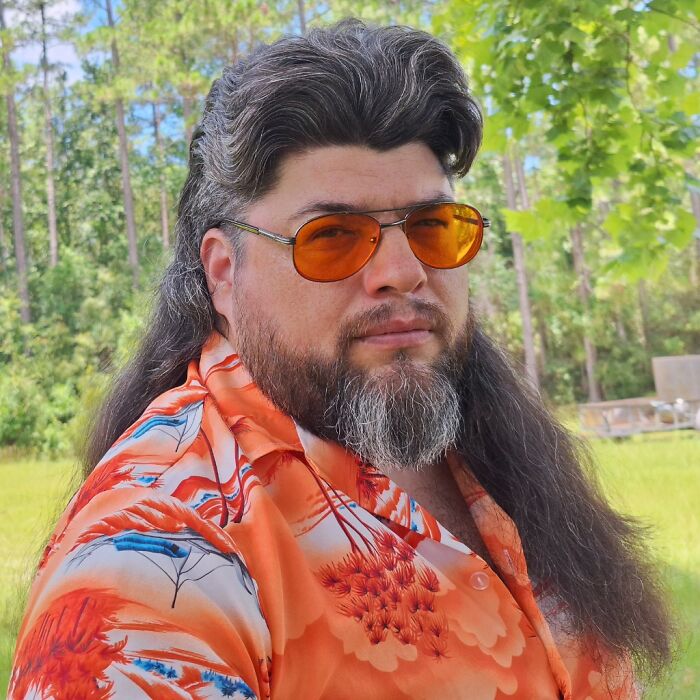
[440, 496]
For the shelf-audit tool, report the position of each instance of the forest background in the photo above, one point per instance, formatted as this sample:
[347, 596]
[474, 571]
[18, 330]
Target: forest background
[589, 172]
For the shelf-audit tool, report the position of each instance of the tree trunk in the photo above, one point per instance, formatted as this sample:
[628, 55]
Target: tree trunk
[540, 351]
[48, 130]
[544, 345]
[16, 186]
[302, 16]
[124, 163]
[521, 276]
[520, 177]
[164, 224]
[4, 252]
[584, 293]
[644, 314]
[186, 106]
[620, 320]
[234, 48]
[187, 118]
[484, 302]
[695, 266]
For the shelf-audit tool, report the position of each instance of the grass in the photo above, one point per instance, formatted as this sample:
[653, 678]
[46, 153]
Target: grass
[654, 477]
[30, 494]
[657, 479]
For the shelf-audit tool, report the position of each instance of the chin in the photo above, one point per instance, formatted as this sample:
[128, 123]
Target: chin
[404, 358]
[400, 364]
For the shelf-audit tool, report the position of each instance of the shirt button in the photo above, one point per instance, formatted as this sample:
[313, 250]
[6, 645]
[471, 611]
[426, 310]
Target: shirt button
[479, 580]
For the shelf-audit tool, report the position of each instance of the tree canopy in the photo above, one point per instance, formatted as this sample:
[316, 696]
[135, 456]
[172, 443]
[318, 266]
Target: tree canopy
[589, 173]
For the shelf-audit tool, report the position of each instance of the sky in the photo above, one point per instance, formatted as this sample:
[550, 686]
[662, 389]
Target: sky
[58, 52]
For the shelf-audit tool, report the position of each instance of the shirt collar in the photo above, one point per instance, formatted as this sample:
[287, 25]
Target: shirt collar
[258, 426]
[261, 429]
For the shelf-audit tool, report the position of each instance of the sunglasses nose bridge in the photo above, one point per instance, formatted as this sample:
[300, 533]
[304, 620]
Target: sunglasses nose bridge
[381, 227]
[390, 224]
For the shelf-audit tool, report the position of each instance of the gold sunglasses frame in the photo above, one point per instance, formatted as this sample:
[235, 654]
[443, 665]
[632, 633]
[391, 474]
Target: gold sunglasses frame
[291, 240]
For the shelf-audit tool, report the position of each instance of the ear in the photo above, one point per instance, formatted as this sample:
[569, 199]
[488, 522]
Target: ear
[218, 260]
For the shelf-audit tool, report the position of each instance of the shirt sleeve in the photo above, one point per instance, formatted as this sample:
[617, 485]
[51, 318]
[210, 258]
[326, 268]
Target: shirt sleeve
[141, 597]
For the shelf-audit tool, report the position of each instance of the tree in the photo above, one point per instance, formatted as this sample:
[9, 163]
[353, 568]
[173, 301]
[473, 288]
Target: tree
[164, 223]
[15, 173]
[610, 90]
[584, 291]
[124, 156]
[48, 130]
[521, 276]
[4, 252]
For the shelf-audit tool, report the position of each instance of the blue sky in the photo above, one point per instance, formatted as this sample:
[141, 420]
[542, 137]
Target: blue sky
[59, 53]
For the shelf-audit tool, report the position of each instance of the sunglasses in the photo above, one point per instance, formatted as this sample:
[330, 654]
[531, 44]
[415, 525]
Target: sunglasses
[332, 247]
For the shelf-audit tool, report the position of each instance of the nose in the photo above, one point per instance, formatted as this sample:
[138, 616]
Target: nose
[393, 268]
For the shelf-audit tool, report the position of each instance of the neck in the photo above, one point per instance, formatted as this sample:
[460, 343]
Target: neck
[437, 491]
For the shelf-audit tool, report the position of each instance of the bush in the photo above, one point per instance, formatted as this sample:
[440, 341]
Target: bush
[22, 409]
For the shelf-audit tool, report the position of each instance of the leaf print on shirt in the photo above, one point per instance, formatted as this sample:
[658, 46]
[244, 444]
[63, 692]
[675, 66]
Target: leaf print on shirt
[180, 426]
[117, 465]
[67, 651]
[172, 538]
[191, 679]
[180, 557]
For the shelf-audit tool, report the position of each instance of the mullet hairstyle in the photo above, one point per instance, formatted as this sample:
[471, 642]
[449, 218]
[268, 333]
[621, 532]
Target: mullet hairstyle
[345, 85]
[383, 88]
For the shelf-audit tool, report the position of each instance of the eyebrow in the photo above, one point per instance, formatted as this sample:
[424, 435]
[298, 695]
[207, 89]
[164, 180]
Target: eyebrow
[334, 207]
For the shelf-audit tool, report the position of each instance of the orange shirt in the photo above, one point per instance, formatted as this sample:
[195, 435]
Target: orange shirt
[218, 550]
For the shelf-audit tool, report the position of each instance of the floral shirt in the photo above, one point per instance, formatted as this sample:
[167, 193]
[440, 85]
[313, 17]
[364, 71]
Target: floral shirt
[218, 550]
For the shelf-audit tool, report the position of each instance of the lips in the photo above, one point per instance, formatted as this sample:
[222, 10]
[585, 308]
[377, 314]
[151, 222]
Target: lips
[396, 334]
[397, 326]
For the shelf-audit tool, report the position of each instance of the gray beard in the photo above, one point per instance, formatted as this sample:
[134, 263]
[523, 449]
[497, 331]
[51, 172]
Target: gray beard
[403, 416]
[405, 419]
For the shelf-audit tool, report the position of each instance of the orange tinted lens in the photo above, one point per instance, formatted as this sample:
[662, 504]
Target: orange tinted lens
[333, 247]
[445, 235]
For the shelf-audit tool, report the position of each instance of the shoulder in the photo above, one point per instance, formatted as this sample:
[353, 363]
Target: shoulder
[163, 466]
[142, 565]
[164, 448]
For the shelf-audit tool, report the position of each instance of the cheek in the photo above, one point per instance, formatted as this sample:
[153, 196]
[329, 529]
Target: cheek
[313, 315]
[303, 315]
[452, 287]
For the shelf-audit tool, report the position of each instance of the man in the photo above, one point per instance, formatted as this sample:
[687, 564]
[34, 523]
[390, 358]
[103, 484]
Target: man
[318, 478]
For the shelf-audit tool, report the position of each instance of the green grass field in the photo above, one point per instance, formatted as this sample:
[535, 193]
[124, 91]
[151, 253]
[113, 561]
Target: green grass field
[656, 478]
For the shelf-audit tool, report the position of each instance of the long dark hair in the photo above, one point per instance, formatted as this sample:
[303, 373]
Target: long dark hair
[592, 557]
[384, 88]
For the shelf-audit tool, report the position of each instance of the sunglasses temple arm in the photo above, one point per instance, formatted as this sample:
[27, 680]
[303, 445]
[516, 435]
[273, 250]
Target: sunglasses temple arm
[286, 240]
[486, 222]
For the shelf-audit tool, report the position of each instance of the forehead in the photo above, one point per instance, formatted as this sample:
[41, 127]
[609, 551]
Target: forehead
[357, 178]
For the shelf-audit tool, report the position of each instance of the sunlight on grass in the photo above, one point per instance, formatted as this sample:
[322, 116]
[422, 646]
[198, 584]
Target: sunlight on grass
[654, 477]
[30, 494]
[657, 479]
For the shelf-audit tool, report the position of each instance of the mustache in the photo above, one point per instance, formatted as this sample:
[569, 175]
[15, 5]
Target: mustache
[361, 323]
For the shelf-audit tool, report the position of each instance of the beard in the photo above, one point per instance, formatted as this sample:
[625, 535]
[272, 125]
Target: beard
[403, 415]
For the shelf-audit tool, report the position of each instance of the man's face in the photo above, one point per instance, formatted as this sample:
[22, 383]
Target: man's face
[310, 317]
[392, 323]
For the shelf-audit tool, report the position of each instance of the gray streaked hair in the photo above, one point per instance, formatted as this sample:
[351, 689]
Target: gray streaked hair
[345, 85]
